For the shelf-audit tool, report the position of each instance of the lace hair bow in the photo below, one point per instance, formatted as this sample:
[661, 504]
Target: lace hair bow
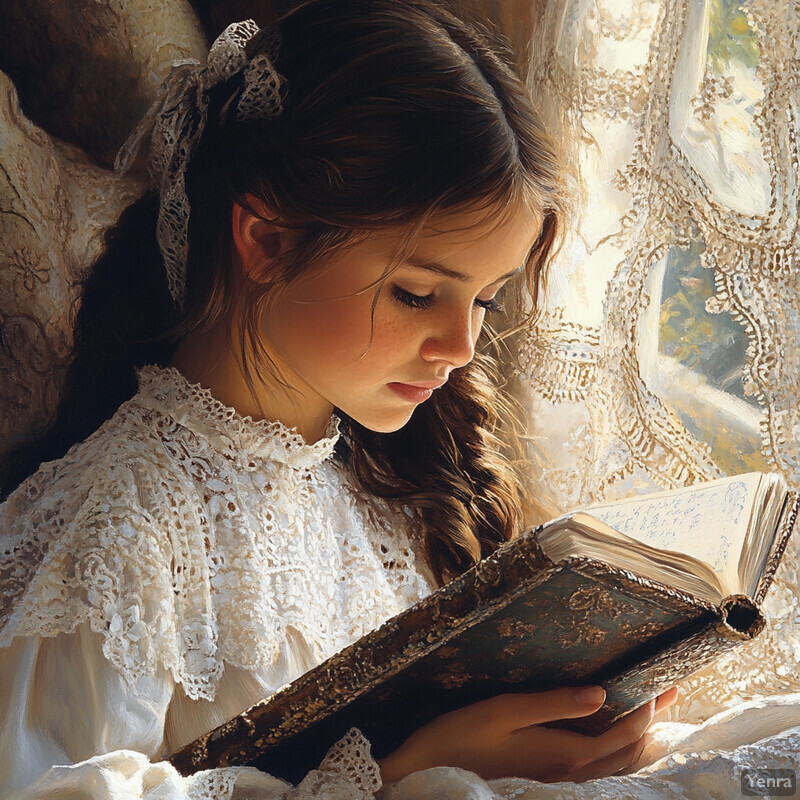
[177, 118]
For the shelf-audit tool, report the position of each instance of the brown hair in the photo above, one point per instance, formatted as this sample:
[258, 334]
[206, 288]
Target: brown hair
[395, 110]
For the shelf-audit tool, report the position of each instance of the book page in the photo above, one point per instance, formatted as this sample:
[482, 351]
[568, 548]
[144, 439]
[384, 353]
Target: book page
[586, 536]
[709, 522]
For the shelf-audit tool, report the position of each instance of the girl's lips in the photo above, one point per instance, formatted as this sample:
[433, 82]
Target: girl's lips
[413, 393]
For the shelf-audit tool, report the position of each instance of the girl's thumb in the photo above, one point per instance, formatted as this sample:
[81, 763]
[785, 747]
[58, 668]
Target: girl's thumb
[589, 696]
[558, 704]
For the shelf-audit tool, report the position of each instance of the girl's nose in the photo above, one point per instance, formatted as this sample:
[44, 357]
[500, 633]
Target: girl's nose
[454, 341]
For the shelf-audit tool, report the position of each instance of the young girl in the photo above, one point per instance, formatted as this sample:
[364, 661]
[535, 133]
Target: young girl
[307, 442]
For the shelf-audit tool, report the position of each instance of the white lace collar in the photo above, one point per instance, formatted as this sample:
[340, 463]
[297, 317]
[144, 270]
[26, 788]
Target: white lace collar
[167, 390]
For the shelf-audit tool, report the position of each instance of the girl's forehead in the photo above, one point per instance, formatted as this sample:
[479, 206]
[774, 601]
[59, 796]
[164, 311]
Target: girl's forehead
[497, 241]
[454, 229]
[478, 246]
[481, 220]
[468, 247]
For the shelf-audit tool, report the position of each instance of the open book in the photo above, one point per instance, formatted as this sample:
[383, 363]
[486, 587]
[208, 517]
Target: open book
[635, 595]
[711, 540]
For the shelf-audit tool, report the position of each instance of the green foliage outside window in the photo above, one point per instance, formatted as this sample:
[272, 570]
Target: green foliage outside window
[730, 36]
[713, 347]
[711, 344]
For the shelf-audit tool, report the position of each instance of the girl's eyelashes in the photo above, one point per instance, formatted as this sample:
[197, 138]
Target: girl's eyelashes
[492, 305]
[412, 300]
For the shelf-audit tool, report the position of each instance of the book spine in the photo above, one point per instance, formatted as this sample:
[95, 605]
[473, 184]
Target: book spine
[739, 621]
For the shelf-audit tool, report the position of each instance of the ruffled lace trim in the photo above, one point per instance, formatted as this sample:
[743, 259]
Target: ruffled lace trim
[348, 772]
[212, 784]
[181, 556]
[167, 390]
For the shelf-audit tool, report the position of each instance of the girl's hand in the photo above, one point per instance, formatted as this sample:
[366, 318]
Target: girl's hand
[502, 737]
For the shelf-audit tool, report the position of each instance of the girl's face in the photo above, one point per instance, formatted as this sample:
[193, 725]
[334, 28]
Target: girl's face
[377, 358]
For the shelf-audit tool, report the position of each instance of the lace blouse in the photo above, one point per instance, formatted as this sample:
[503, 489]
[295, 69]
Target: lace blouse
[172, 570]
[184, 562]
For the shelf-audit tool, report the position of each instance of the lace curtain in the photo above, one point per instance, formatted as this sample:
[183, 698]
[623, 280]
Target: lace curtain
[667, 352]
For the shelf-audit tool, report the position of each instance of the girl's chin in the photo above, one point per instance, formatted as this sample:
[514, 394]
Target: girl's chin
[385, 423]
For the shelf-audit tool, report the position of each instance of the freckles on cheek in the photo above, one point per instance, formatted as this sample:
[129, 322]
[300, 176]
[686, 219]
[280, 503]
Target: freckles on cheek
[391, 336]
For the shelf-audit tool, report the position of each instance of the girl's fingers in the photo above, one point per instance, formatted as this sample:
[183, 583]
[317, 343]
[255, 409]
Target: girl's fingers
[623, 733]
[533, 709]
[504, 736]
[549, 754]
[516, 711]
[617, 762]
[627, 755]
[666, 699]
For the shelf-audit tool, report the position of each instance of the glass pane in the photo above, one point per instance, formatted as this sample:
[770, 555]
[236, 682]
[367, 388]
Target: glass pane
[700, 361]
[717, 130]
[712, 345]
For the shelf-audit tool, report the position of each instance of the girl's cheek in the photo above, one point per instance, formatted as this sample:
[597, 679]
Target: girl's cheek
[395, 333]
[340, 329]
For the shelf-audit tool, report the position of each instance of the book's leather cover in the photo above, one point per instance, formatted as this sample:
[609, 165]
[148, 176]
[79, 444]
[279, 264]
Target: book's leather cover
[515, 622]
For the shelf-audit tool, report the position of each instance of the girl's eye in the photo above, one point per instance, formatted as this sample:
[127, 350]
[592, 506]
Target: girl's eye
[493, 305]
[426, 301]
[412, 300]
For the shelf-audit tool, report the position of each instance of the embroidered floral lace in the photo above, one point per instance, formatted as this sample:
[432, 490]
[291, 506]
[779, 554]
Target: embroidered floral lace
[239, 529]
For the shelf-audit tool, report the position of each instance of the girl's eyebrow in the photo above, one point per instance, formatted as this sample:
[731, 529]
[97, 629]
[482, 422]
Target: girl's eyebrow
[439, 269]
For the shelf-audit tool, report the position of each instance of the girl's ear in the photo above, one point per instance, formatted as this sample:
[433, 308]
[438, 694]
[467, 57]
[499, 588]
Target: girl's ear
[257, 237]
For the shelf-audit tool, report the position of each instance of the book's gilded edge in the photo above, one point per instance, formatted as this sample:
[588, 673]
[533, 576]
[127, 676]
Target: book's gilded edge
[660, 594]
[786, 526]
[515, 568]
